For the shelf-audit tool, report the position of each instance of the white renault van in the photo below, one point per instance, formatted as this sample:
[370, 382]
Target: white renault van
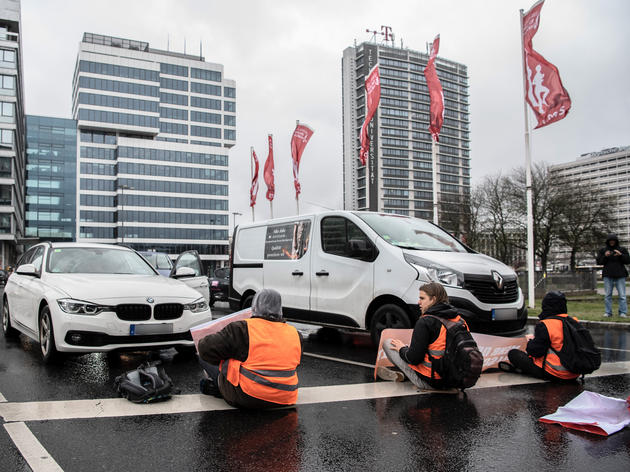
[364, 270]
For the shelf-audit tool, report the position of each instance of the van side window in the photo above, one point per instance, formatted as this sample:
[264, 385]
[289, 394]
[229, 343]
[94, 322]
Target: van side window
[342, 237]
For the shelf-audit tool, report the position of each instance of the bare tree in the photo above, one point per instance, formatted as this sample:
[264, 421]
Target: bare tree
[497, 215]
[585, 218]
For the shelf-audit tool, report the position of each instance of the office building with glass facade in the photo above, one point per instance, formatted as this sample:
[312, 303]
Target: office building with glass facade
[154, 130]
[12, 134]
[398, 175]
[51, 189]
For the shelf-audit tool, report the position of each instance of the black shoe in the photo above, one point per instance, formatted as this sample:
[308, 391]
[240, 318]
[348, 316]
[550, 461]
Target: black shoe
[506, 367]
[208, 387]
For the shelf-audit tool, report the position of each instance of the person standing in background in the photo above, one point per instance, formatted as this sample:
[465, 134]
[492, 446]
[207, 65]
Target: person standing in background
[614, 257]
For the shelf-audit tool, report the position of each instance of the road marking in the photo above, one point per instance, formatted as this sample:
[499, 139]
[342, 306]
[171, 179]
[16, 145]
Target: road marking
[31, 449]
[343, 361]
[2, 399]
[119, 407]
[613, 349]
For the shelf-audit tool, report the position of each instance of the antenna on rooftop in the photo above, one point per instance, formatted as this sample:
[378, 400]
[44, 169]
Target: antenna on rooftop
[200, 51]
[184, 45]
[168, 42]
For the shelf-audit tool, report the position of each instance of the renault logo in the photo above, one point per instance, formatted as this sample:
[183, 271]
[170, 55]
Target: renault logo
[150, 300]
[498, 279]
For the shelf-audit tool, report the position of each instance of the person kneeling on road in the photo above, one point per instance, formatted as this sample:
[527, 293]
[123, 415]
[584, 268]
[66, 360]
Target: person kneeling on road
[252, 363]
[541, 358]
[428, 341]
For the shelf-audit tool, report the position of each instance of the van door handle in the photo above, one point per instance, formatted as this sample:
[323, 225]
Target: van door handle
[297, 272]
[321, 272]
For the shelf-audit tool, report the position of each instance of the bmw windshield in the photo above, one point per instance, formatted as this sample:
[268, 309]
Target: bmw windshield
[411, 233]
[92, 260]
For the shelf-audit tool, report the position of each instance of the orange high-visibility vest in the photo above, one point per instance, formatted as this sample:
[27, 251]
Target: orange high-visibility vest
[551, 361]
[435, 350]
[269, 373]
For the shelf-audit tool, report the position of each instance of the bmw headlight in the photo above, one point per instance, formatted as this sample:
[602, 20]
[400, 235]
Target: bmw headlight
[197, 306]
[79, 307]
[433, 272]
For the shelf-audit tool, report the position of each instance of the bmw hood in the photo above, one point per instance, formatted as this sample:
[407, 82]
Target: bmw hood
[110, 288]
[465, 262]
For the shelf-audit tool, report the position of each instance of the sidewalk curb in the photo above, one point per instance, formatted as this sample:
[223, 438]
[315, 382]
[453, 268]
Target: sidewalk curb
[591, 324]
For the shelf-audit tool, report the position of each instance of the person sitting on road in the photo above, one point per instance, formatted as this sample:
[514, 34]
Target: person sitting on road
[427, 341]
[540, 359]
[252, 363]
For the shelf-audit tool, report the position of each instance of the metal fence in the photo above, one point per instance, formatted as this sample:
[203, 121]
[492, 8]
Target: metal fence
[571, 283]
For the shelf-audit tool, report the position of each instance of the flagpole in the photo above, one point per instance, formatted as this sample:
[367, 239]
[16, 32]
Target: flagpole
[434, 150]
[297, 197]
[274, 182]
[528, 185]
[251, 176]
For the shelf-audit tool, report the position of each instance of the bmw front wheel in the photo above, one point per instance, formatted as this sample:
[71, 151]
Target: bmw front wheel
[47, 337]
[8, 330]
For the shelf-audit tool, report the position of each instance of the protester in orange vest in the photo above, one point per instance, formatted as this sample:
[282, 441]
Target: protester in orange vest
[252, 363]
[540, 360]
[427, 341]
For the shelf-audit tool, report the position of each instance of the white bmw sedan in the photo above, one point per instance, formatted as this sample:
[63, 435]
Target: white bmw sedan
[78, 298]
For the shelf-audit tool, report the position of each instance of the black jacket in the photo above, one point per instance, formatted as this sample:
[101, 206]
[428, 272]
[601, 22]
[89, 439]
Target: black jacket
[614, 264]
[425, 332]
[232, 342]
[554, 303]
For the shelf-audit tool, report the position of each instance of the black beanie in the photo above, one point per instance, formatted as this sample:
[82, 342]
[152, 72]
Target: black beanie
[554, 303]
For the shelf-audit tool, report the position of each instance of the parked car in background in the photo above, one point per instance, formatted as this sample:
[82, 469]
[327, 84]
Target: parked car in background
[80, 297]
[4, 275]
[219, 285]
[159, 260]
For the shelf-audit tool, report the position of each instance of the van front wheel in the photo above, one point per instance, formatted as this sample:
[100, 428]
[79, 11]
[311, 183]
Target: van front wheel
[386, 317]
[247, 303]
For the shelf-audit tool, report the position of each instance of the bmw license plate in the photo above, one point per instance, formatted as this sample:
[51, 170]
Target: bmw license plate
[153, 328]
[504, 313]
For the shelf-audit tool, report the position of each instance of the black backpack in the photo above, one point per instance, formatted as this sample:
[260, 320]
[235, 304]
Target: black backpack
[146, 384]
[461, 364]
[578, 354]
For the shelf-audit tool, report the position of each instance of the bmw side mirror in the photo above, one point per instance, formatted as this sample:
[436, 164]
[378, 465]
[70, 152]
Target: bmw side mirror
[184, 272]
[27, 269]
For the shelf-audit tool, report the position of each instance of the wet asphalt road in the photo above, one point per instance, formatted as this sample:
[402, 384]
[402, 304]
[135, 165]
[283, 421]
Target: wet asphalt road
[487, 429]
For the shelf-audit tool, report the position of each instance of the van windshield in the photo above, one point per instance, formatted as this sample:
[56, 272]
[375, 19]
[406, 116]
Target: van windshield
[411, 233]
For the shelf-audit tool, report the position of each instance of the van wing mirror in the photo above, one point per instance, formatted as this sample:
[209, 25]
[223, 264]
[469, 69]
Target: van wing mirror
[361, 249]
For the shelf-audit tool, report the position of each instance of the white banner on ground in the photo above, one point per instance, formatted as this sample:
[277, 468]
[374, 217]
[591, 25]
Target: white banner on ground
[493, 348]
[214, 326]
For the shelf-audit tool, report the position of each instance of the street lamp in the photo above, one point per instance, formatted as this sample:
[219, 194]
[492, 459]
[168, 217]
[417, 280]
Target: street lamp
[122, 188]
[235, 213]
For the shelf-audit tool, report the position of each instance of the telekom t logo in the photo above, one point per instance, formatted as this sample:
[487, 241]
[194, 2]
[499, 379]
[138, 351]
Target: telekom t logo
[386, 31]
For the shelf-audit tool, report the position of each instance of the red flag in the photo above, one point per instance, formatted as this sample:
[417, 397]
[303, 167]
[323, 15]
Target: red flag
[373, 97]
[253, 192]
[300, 138]
[435, 92]
[544, 90]
[268, 171]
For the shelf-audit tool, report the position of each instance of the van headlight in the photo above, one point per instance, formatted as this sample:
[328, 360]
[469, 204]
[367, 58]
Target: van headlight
[79, 307]
[430, 271]
[197, 306]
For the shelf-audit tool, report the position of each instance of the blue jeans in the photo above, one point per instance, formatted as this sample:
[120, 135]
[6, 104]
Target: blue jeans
[620, 284]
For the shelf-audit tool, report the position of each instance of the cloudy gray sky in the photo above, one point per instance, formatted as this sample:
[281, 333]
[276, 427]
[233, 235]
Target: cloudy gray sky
[286, 59]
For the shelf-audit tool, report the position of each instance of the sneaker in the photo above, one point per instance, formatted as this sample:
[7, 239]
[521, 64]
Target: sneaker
[623, 315]
[506, 367]
[208, 387]
[385, 373]
[607, 315]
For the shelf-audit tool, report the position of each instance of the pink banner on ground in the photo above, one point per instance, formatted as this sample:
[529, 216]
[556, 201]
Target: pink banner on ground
[593, 413]
[493, 348]
[210, 327]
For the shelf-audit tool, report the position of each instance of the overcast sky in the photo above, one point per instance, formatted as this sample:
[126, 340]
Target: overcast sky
[286, 59]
